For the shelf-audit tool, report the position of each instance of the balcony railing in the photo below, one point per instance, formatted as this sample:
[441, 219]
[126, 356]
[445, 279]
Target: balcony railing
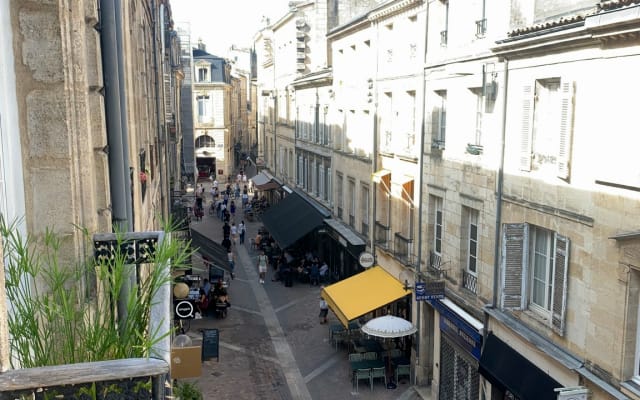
[469, 281]
[435, 265]
[135, 378]
[403, 249]
[381, 235]
[443, 38]
[365, 229]
[481, 27]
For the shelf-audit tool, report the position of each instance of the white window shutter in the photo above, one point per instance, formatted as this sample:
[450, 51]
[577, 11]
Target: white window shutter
[566, 129]
[514, 261]
[526, 128]
[559, 299]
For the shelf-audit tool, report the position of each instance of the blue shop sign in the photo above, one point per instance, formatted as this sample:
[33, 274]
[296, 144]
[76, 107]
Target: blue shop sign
[429, 290]
[458, 330]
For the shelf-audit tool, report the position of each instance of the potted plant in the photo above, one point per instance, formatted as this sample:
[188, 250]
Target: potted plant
[187, 391]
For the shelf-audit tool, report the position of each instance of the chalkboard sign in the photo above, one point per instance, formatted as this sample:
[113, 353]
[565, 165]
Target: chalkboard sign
[210, 344]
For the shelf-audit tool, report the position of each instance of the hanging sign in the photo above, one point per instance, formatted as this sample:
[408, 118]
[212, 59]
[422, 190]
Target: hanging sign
[184, 309]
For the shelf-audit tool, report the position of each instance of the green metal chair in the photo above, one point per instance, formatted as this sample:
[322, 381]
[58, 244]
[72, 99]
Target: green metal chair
[355, 357]
[370, 355]
[362, 374]
[403, 370]
[339, 338]
[378, 373]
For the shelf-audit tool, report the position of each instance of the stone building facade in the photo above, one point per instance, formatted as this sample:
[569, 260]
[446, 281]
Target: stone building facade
[84, 118]
[497, 158]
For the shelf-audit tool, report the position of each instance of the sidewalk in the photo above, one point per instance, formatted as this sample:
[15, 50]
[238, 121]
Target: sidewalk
[271, 343]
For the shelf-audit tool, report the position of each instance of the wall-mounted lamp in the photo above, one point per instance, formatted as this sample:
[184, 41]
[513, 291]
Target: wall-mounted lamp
[404, 278]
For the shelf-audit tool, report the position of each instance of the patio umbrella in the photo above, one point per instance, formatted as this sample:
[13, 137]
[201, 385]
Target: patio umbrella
[389, 326]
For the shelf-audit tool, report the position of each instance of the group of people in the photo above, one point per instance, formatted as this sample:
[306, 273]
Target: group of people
[214, 299]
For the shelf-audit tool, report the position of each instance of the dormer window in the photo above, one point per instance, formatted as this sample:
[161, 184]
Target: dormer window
[203, 74]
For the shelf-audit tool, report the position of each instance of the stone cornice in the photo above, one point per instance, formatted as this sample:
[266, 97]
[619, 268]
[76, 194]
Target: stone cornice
[393, 8]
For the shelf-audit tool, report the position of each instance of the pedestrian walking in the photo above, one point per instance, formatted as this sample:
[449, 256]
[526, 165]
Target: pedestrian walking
[232, 262]
[234, 233]
[263, 261]
[324, 311]
[241, 231]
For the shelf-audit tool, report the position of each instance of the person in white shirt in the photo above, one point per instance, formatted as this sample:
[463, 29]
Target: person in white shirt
[324, 272]
[242, 229]
[234, 233]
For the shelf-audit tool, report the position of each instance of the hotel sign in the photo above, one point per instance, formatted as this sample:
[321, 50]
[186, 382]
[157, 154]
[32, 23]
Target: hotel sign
[429, 290]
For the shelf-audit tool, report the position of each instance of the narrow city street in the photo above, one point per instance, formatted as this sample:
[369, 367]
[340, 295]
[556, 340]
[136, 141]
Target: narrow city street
[272, 345]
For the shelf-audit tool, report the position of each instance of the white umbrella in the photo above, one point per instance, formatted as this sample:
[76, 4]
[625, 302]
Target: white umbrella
[389, 326]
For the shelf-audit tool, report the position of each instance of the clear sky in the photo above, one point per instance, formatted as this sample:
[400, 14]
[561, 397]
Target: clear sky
[221, 23]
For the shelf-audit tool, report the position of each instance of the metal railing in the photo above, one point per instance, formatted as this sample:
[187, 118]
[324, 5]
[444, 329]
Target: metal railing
[403, 249]
[435, 265]
[365, 229]
[381, 235]
[481, 27]
[469, 281]
[443, 38]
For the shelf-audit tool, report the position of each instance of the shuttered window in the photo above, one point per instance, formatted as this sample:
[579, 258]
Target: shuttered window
[566, 128]
[546, 127]
[526, 128]
[534, 272]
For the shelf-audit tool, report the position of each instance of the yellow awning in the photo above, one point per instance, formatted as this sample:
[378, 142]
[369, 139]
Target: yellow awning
[362, 293]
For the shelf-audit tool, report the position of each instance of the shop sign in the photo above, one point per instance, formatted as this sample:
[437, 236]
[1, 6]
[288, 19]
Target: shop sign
[429, 290]
[366, 259]
[458, 331]
[184, 309]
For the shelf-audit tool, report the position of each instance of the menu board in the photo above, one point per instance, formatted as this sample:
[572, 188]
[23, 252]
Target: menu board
[210, 344]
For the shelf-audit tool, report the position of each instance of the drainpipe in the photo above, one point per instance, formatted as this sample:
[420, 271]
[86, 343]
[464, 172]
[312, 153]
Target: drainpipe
[118, 167]
[420, 206]
[496, 249]
[123, 115]
[376, 144]
[162, 138]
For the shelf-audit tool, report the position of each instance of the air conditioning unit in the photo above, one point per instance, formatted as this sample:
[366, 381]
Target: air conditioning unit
[573, 393]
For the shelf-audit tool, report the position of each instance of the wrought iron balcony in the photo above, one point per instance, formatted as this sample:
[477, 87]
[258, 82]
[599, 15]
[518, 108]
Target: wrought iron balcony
[381, 237]
[469, 281]
[443, 38]
[435, 267]
[481, 27]
[403, 249]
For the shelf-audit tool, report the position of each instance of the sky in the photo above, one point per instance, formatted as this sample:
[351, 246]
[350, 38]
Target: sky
[221, 23]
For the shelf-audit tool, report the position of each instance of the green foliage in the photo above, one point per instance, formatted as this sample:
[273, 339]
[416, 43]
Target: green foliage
[187, 391]
[55, 320]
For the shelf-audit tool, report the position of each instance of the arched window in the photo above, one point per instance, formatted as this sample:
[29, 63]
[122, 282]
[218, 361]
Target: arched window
[205, 141]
